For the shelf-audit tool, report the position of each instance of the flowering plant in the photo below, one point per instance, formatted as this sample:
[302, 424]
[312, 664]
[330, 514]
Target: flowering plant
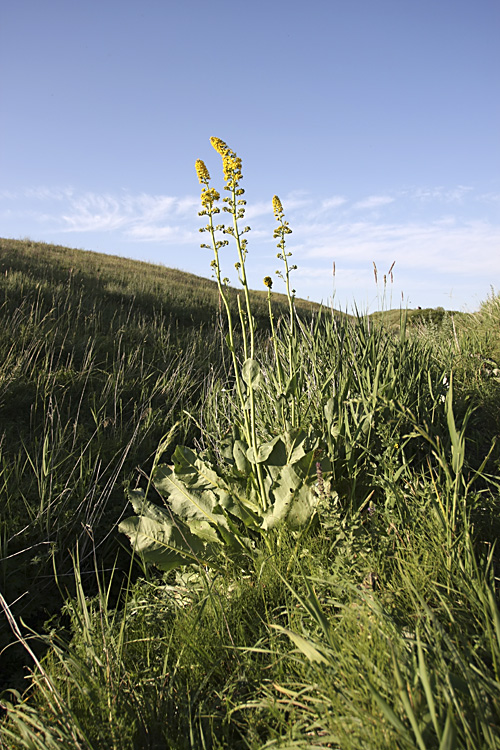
[262, 483]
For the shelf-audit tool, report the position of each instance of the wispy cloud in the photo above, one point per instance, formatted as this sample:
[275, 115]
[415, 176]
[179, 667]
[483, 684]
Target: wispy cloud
[171, 234]
[254, 210]
[44, 193]
[446, 195]
[450, 246]
[140, 216]
[334, 202]
[94, 213]
[374, 201]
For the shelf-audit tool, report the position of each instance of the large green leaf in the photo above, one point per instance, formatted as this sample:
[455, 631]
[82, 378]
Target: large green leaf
[203, 508]
[145, 508]
[273, 453]
[296, 441]
[198, 476]
[210, 505]
[240, 458]
[279, 510]
[294, 501]
[302, 508]
[187, 503]
[244, 509]
[163, 542]
[194, 472]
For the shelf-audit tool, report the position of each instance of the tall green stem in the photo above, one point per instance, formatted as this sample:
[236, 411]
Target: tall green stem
[243, 275]
[222, 292]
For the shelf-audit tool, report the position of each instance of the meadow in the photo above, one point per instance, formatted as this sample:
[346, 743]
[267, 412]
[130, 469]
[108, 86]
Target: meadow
[234, 519]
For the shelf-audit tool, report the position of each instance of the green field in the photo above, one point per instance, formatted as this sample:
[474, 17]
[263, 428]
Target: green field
[312, 499]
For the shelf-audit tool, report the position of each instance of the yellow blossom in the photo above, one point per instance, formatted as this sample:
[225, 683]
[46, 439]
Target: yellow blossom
[232, 166]
[209, 196]
[202, 171]
[277, 208]
[230, 162]
[219, 145]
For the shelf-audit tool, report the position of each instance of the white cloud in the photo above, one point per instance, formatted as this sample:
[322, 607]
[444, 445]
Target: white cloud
[296, 199]
[334, 202]
[262, 208]
[443, 246]
[138, 215]
[447, 195]
[374, 201]
[95, 213]
[174, 234]
[489, 198]
[45, 193]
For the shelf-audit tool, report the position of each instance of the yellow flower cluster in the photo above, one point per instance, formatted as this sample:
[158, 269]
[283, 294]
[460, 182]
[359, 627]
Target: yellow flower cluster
[277, 208]
[202, 171]
[232, 167]
[209, 196]
[230, 162]
[219, 145]
[268, 282]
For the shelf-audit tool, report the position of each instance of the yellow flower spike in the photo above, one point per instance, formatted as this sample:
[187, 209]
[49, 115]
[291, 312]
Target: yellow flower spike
[219, 145]
[268, 282]
[277, 208]
[230, 162]
[202, 171]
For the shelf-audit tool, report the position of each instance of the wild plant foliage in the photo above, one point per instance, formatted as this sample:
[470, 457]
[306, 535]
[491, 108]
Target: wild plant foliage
[310, 415]
[264, 478]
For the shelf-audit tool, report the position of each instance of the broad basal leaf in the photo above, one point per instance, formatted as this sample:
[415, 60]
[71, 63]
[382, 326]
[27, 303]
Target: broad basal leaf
[272, 452]
[240, 458]
[187, 503]
[146, 508]
[164, 544]
[194, 472]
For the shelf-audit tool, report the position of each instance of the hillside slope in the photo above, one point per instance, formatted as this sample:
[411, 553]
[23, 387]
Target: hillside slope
[113, 279]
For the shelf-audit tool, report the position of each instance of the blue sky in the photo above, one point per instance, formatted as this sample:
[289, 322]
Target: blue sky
[377, 122]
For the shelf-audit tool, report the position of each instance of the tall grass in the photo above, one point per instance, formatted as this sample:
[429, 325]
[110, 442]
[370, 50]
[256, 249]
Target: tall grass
[88, 387]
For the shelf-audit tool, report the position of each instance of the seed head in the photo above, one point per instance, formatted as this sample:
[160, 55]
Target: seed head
[202, 171]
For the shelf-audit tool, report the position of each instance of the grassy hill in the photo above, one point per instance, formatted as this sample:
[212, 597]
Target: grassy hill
[116, 281]
[317, 527]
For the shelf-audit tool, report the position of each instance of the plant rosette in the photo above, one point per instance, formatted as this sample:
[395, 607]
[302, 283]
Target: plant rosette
[209, 510]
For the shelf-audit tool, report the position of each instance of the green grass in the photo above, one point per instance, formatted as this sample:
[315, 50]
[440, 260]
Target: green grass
[376, 625]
